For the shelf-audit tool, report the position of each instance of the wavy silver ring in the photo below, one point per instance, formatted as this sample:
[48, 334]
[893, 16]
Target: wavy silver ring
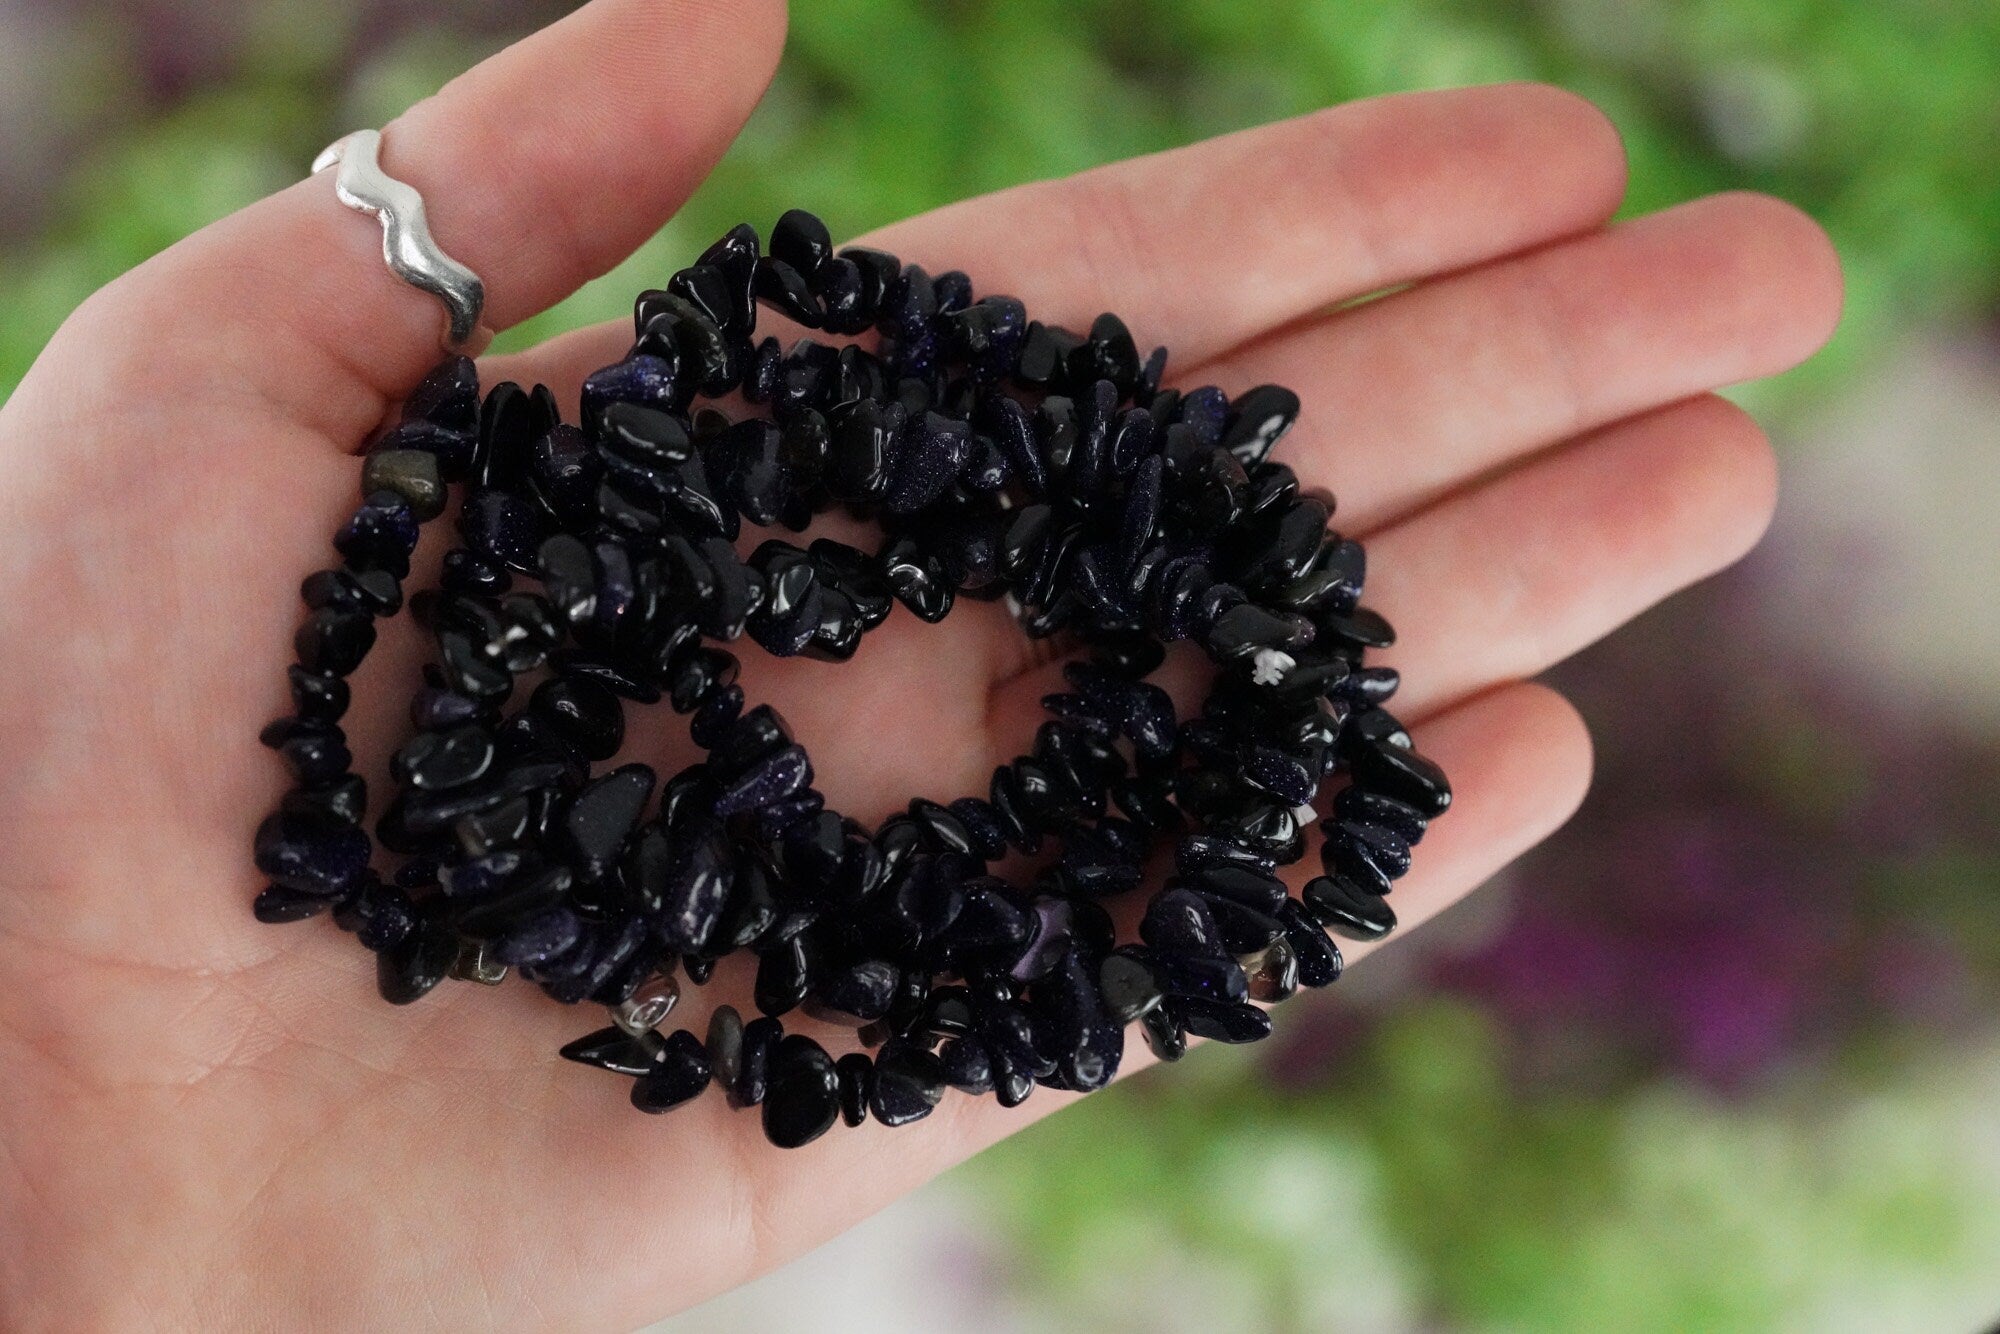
[407, 245]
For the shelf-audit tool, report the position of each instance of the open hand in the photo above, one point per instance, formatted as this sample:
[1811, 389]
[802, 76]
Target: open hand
[209, 1123]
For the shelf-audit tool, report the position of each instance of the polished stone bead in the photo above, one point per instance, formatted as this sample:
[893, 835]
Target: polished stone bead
[381, 534]
[452, 450]
[697, 896]
[909, 1082]
[804, 1095]
[857, 1083]
[710, 291]
[1217, 977]
[343, 800]
[583, 712]
[783, 288]
[279, 903]
[1359, 629]
[784, 975]
[1088, 1042]
[917, 578]
[864, 436]
[615, 1050]
[968, 1065]
[1045, 355]
[448, 396]
[1161, 1028]
[760, 1039]
[1108, 353]
[791, 612]
[506, 431]
[1222, 1021]
[1272, 972]
[1319, 960]
[1281, 774]
[679, 1073]
[1250, 885]
[540, 938]
[317, 695]
[564, 471]
[1257, 419]
[1353, 803]
[840, 285]
[1179, 921]
[1348, 909]
[1369, 854]
[858, 994]
[316, 752]
[376, 592]
[466, 670]
[748, 461]
[468, 572]
[800, 239]
[725, 1045]
[734, 256]
[711, 721]
[1404, 775]
[602, 816]
[503, 526]
[774, 778]
[333, 642]
[521, 897]
[879, 270]
[433, 761]
[409, 473]
[930, 452]
[1247, 629]
[696, 675]
[987, 840]
[1130, 984]
[311, 854]
[410, 969]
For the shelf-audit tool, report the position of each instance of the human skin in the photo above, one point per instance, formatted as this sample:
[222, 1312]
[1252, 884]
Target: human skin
[208, 1123]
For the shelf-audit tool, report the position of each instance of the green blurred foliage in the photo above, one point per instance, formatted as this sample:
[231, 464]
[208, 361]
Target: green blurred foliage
[1881, 119]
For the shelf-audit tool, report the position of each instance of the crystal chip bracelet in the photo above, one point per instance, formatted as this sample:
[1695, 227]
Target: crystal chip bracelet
[1002, 459]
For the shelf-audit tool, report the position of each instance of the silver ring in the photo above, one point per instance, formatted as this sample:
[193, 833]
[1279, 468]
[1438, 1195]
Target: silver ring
[412, 254]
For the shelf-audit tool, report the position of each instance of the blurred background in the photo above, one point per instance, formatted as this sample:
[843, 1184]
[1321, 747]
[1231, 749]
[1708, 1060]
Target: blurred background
[1725, 1054]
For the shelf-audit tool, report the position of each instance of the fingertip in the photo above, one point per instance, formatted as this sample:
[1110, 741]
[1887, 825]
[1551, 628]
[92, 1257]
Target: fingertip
[1589, 141]
[1745, 467]
[1797, 261]
[1555, 733]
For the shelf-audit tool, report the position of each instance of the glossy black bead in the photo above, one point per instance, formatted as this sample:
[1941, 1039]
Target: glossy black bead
[502, 526]
[909, 1082]
[1161, 1028]
[1257, 418]
[1224, 1021]
[602, 816]
[1404, 775]
[803, 1099]
[278, 903]
[857, 1081]
[917, 578]
[583, 712]
[333, 642]
[343, 800]
[409, 473]
[1130, 985]
[433, 761]
[679, 1073]
[1348, 909]
[800, 239]
[615, 1050]
[447, 397]
[317, 695]
[779, 285]
[1180, 921]
[1319, 960]
[311, 854]
[409, 970]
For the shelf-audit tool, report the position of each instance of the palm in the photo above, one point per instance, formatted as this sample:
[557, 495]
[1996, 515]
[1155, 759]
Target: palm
[206, 1118]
